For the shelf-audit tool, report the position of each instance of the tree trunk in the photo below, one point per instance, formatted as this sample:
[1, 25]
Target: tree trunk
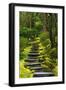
[44, 22]
[30, 21]
[50, 30]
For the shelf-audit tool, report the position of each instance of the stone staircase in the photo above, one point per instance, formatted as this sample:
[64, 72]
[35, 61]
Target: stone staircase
[33, 63]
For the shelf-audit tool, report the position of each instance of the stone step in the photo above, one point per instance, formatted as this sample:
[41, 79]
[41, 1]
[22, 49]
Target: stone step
[43, 74]
[33, 54]
[33, 46]
[32, 64]
[33, 57]
[36, 68]
[34, 49]
[31, 60]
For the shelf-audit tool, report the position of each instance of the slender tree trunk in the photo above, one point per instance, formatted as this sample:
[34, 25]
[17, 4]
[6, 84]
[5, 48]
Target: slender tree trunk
[50, 30]
[44, 22]
[30, 22]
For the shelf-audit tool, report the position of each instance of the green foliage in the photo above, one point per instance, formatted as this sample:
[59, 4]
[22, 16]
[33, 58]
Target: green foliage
[46, 68]
[29, 33]
[43, 36]
[56, 41]
[24, 72]
[53, 53]
[54, 61]
[25, 32]
[49, 63]
[55, 71]
[47, 43]
[24, 53]
[38, 25]
[23, 43]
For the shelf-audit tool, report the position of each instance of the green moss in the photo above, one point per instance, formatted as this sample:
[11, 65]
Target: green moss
[24, 72]
[24, 53]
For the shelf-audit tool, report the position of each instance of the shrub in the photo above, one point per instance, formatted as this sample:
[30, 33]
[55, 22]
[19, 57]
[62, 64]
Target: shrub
[23, 43]
[38, 25]
[53, 53]
[54, 61]
[43, 36]
[48, 63]
[47, 43]
[23, 31]
[24, 53]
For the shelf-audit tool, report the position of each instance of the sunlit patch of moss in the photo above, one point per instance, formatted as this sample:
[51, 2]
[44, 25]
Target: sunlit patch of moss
[37, 38]
[40, 46]
[24, 72]
[25, 52]
[41, 49]
[34, 42]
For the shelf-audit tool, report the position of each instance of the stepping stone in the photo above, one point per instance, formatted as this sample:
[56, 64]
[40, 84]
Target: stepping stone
[43, 74]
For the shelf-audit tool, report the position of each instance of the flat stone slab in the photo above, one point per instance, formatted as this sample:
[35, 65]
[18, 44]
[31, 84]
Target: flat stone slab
[31, 60]
[33, 54]
[32, 63]
[43, 74]
[33, 51]
[36, 68]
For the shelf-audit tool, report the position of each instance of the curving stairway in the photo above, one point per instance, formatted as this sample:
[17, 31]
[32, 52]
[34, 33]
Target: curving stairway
[33, 63]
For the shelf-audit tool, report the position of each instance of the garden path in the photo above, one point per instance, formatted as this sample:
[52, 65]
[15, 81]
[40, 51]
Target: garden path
[34, 64]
